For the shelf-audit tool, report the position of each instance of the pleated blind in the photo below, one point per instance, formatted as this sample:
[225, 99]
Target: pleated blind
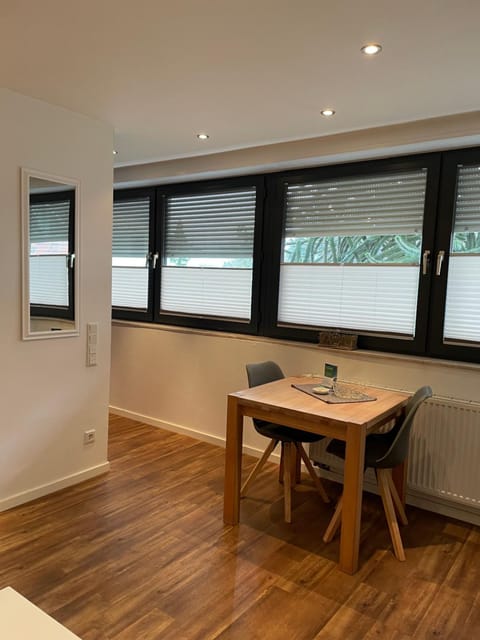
[462, 308]
[467, 209]
[49, 281]
[207, 292]
[130, 227]
[367, 205]
[370, 298]
[213, 225]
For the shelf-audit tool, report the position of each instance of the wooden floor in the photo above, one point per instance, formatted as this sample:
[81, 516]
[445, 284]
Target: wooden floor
[141, 553]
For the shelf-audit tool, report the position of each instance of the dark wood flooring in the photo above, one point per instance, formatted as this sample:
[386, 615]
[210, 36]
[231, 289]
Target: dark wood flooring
[142, 553]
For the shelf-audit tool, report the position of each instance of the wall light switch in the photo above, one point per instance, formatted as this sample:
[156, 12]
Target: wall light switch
[92, 341]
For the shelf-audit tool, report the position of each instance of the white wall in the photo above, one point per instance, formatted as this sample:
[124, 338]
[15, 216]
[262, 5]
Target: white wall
[48, 395]
[180, 378]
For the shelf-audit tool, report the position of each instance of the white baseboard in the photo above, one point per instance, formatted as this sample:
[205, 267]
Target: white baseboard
[51, 487]
[186, 431]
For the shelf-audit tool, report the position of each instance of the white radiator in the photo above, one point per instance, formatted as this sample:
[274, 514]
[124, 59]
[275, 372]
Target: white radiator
[444, 460]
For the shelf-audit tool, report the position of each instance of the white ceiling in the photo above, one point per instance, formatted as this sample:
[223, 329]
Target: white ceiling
[248, 72]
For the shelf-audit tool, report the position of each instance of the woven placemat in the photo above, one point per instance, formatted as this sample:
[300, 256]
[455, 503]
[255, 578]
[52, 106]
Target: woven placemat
[346, 394]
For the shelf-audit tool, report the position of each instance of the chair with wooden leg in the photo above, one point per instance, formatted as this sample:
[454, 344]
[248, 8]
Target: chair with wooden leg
[290, 440]
[383, 452]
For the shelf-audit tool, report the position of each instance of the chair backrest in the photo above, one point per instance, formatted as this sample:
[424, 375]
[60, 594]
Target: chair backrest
[398, 450]
[263, 372]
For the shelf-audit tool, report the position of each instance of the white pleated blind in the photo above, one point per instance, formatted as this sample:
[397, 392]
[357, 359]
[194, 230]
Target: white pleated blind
[130, 243]
[370, 205]
[49, 247]
[207, 292]
[380, 298]
[208, 254]
[343, 283]
[462, 307]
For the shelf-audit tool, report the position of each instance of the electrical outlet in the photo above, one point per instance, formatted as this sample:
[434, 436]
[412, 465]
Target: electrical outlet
[89, 436]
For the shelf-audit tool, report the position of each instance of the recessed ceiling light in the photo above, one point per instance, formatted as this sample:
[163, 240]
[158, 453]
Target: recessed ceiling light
[371, 49]
[327, 112]
[203, 136]
[115, 152]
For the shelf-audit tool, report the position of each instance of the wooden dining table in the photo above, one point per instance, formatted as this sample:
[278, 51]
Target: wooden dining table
[280, 403]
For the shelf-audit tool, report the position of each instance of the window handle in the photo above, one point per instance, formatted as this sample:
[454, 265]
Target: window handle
[440, 258]
[151, 259]
[425, 261]
[70, 260]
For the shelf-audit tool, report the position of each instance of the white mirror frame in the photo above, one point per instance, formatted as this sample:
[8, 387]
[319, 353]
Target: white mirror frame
[27, 333]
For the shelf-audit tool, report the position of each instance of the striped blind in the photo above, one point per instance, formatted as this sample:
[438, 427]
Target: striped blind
[49, 227]
[367, 205]
[467, 210]
[213, 225]
[130, 227]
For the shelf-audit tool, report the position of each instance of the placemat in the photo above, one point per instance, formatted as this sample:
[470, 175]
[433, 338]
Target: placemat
[345, 394]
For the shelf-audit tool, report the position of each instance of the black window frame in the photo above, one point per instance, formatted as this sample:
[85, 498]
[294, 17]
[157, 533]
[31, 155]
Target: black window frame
[269, 224]
[61, 312]
[129, 313]
[274, 225]
[209, 322]
[157, 220]
[436, 346]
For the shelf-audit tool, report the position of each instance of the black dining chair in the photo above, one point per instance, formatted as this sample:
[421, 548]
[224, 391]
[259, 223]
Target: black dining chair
[383, 452]
[290, 439]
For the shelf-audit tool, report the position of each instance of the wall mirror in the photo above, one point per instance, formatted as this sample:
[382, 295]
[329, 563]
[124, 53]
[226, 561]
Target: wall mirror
[50, 215]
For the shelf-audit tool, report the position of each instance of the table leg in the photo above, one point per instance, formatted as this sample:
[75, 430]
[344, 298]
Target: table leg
[233, 463]
[352, 498]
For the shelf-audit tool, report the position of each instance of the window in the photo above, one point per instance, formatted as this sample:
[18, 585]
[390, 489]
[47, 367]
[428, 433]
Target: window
[190, 258]
[351, 252]
[132, 258]
[462, 309]
[51, 254]
[386, 249]
[456, 267]
[347, 252]
[208, 254]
